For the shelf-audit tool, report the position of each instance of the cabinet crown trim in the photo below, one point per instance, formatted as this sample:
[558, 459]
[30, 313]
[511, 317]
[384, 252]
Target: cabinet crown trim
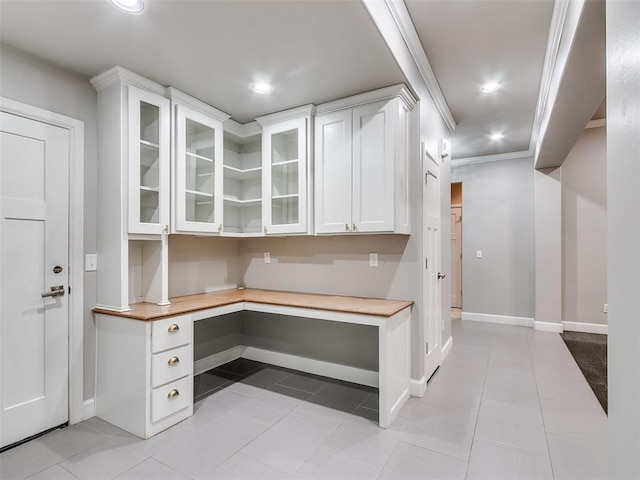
[303, 111]
[387, 93]
[240, 130]
[176, 95]
[119, 74]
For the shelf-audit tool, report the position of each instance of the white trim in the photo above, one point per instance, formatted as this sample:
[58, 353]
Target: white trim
[119, 74]
[304, 111]
[387, 93]
[491, 158]
[600, 328]
[418, 387]
[600, 122]
[446, 349]
[177, 96]
[558, 19]
[547, 327]
[310, 365]
[88, 409]
[500, 319]
[240, 130]
[76, 242]
[402, 19]
[212, 361]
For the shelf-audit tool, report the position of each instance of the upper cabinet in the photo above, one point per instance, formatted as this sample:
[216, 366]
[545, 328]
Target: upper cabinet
[361, 163]
[285, 169]
[149, 152]
[197, 173]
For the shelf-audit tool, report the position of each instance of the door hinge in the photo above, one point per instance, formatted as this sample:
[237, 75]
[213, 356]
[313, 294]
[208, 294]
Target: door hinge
[69, 289]
[426, 263]
[426, 348]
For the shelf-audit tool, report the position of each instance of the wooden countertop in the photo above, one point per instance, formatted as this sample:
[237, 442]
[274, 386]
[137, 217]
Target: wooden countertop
[203, 301]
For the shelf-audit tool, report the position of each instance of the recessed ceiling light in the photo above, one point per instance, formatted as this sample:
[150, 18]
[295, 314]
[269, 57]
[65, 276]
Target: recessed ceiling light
[131, 6]
[261, 88]
[489, 87]
[496, 136]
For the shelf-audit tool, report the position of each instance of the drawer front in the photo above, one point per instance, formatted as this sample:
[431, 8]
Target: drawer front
[170, 365]
[170, 333]
[171, 398]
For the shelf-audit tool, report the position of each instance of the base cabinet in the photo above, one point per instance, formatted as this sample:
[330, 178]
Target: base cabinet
[144, 377]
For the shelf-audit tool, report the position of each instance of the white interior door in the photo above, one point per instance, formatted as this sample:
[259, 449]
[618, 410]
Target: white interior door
[34, 175]
[456, 257]
[432, 290]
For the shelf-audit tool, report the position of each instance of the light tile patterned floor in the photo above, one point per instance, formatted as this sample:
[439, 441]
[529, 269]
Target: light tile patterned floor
[508, 403]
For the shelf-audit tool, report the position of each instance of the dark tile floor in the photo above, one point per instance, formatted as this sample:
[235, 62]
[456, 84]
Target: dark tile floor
[590, 352]
[346, 397]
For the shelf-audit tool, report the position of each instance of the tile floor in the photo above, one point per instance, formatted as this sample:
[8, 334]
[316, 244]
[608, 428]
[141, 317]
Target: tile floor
[508, 403]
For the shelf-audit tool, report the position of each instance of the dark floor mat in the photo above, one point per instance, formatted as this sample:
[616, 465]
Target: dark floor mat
[590, 352]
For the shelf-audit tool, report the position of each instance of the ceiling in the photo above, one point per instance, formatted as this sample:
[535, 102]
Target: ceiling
[312, 51]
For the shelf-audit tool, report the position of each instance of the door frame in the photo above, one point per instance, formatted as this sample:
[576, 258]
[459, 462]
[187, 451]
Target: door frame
[76, 243]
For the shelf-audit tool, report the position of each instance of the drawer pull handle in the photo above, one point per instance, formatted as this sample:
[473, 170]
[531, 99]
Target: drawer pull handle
[174, 327]
[174, 360]
[173, 393]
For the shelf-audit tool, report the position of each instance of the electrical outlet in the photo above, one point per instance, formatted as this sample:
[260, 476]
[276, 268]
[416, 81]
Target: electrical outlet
[373, 259]
[478, 253]
[606, 308]
[267, 257]
[91, 262]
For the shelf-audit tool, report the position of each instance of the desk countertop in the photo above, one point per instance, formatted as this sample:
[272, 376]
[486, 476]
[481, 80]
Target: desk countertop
[203, 301]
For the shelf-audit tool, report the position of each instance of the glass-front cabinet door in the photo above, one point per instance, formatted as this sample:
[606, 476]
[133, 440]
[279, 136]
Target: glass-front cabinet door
[198, 172]
[284, 187]
[149, 140]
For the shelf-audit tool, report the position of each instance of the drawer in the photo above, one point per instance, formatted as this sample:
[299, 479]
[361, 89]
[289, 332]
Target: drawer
[170, 365]
[170, 333]
[171, 398]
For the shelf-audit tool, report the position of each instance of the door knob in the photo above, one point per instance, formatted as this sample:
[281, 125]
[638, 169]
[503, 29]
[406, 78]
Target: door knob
[441, 275]
[56, 291]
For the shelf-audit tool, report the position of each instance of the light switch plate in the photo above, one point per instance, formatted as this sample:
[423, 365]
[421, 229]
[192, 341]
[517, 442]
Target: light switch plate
[267, 257]
[91, 262]
[373, 259]
[478, 253]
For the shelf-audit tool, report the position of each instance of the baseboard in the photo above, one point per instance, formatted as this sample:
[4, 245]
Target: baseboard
[501, 319]
[446, 349]
[217, 359]
[88, 409]
[310, 365]
[418, 387]
[586, 327]
[548, 327]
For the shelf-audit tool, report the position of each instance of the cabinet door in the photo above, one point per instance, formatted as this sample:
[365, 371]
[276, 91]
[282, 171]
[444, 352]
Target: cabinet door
[374, 129]
[198, 172]
[148, 161]
[332, 172]
[284, 177]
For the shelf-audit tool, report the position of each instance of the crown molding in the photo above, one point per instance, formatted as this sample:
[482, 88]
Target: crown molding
[240, 130]
[303, 111]
[387, 93]
[407, 29]
[177, 96]
[491, 158]
[558, 18]
[118, 74]
[600, 122]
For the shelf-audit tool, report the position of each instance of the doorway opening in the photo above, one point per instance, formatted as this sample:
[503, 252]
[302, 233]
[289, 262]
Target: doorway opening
[456, 250]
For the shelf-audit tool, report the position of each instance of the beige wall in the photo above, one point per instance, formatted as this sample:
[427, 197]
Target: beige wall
[584, 229]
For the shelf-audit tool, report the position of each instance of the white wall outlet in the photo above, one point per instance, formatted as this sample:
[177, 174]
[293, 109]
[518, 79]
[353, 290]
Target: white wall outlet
[267, 257]
[478, 253]
[91, 262]
[373, 259]
[606, 308]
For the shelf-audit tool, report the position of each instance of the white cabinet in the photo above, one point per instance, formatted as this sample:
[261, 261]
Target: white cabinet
[285, 166]
[361, 164]
[197, 172]
[144, 376]
[148, 160]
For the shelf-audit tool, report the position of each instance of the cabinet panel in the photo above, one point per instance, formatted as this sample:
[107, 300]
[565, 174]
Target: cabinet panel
[373, 167]
[148, 126]
[333, 172]
[198, 172]
[171, 398]
[284, 184]
[170, 333]
[171, 365]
